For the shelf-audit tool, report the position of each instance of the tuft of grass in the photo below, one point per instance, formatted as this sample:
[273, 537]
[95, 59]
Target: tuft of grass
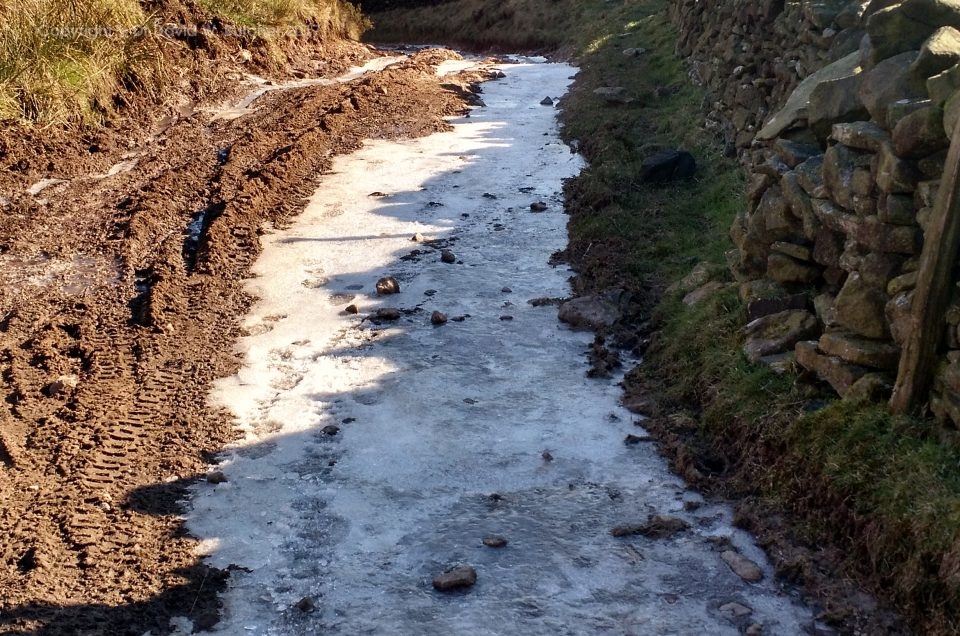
[69, 61]
[62, 60]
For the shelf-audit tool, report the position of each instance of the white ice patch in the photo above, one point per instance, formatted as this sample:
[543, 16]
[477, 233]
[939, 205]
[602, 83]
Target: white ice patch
[262, 86]
[435, 419]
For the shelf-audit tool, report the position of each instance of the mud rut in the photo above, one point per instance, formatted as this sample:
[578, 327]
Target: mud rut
[115, 321]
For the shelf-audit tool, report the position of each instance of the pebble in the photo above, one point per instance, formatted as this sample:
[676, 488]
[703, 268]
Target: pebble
[755, 630]
[734, 610]
[656, 526]
[538, 206]
[388, 313]
[456, 578]
[547, 456]
[494, 541]
[388, 285]
[331, 429]
[352, 309]
[742, 566]
[438, 318]
[506, 317]
[632, 439]
[216, 477]
[418, 237]
[446, 256]
[506, 290]
[546, 101]
[306, 605]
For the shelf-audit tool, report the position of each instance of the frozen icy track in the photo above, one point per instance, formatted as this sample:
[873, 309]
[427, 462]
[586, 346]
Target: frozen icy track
[434, 420]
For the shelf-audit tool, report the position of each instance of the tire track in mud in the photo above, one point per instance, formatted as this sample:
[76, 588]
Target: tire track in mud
[93, 473]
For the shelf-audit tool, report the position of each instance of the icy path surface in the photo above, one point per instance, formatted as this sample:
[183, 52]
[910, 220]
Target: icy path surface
[434, 420]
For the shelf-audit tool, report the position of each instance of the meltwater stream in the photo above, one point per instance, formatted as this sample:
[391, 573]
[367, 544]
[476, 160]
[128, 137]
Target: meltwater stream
[441, 430]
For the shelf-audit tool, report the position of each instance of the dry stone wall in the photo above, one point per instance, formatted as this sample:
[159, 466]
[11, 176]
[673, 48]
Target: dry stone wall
[841, 112]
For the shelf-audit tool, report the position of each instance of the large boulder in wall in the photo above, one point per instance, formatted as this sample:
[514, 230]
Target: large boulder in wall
[892, 31]
[940, 51]
[796, 108]
[934, 12]
[890, 81]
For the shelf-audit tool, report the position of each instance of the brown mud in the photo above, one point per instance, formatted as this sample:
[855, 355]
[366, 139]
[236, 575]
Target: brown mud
[114, 321]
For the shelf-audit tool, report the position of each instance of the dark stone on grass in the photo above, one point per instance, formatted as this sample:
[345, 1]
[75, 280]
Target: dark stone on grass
[456, 578]
[667, 165]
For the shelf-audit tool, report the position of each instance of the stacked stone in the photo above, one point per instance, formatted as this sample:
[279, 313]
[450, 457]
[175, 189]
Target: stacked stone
[752, 53]
[843, 182]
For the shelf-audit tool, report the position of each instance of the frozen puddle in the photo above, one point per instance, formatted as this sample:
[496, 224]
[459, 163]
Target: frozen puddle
[442, 430]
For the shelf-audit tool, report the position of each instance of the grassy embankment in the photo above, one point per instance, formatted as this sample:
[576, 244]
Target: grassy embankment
[881, 489]
[74, 61]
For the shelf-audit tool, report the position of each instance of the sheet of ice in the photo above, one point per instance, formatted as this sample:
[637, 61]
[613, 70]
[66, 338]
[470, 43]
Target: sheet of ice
[433, 420]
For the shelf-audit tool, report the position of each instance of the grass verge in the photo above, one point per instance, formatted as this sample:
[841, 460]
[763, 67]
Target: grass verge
[68, 62]
[868, 495]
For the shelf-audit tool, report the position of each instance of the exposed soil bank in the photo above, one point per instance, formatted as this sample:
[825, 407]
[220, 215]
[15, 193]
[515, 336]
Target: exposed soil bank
[115, 317]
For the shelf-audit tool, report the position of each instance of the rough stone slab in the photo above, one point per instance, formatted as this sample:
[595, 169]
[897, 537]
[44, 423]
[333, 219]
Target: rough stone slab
[860, 308]
[785, 269]
[758, 307]
[889, 81]
[884, 237]
[862, 135]
[878, 354]
[796, 107]
[832, 370]
[938, 53]
[835, 218]
[920, 134]
[894, 175]
[704, 292]
[589, 312]
[799, 252]
[897, 209]
[777, 333]
[810, 177]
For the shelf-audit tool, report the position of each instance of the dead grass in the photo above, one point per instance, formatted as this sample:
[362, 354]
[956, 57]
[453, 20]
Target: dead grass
[68, 62]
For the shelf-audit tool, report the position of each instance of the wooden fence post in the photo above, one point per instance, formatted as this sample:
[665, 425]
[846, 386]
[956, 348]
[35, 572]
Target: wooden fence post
[932, 293]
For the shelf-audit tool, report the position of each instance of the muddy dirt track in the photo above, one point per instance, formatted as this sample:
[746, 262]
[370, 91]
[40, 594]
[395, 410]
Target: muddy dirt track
[118, 303]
